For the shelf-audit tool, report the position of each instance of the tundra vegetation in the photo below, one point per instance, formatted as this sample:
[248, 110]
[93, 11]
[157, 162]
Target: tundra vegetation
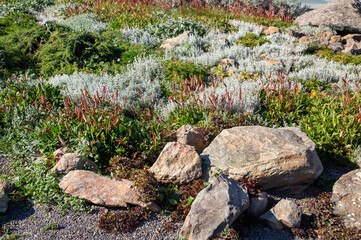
[92, 77]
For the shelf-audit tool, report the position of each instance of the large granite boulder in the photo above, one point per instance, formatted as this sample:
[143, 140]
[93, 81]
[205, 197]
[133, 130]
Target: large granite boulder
[102, 190]
[346, 195]
[177, 164]
[214, 209]
[340, 15]
[277, 157]
[72, 161]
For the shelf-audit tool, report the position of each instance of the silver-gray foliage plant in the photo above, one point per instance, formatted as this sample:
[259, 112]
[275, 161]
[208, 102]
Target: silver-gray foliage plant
[143, 75]
[84, 23]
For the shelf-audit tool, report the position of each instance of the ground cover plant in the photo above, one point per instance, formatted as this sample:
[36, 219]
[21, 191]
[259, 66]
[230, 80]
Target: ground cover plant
[93, 78]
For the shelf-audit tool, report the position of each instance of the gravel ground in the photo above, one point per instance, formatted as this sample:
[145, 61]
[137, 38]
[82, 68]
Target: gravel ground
[28, 220]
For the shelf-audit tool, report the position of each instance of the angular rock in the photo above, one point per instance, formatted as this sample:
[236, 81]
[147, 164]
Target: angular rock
[276, 157]
[336, 46]
[288, 213]
[228, 63]
[335, 39]
[352, 46]
[326, 35]
[258, 205]
[340, 15]
[6, 187]
[356, 37]
[272, 62]
[214, 209]
[177, 164]
[308, 40]
[346, 195]
[3, 203]
[269, 219]
[172, 42]
[270, 30]
[189, 135]
[102, 190]
[72, 161]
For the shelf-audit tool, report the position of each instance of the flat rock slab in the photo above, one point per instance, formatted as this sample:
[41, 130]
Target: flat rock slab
[102, 190]
[177, 164]
[340, 15]
[214, 209]
[346, 195]
[277, 157]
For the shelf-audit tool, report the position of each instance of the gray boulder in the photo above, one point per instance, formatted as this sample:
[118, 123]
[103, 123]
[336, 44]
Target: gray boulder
[282, 158]
[340, 15]
[346, 194]
[215, 208]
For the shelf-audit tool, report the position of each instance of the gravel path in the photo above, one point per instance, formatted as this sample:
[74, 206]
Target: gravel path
[28, 220]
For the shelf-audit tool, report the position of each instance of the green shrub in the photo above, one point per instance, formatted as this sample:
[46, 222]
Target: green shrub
[36, 184]
[177, 70]
[331, 120]
[21, 48]
[340, 57]
[66, 53]
[252, 40]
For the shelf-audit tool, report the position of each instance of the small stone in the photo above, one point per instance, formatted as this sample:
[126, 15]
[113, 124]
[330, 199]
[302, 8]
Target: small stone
[258, 205]
[271, 30]
[3, 203]
[288, 213]
[269, 219]
[72, 161]
[228, 64]
[6, 187]
[335, 39]
[271, 62]
[177, 164]
[172, 42]
[326, 35]
[336, 46]
[189, 135]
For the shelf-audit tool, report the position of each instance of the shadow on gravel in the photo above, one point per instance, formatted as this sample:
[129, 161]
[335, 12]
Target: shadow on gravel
[17, 211]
